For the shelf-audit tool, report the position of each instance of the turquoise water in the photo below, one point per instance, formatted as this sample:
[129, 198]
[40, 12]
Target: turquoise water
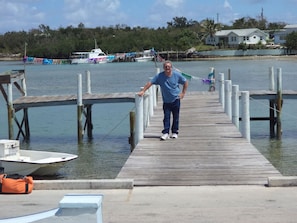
[54, 128]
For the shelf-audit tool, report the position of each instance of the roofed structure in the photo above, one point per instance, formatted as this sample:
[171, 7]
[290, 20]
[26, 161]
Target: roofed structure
[235, 37]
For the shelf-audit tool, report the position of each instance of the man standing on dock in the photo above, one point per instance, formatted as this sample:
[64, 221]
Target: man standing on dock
[169, 81]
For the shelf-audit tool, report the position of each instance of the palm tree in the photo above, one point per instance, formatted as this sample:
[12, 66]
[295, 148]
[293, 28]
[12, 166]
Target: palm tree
[209, 28]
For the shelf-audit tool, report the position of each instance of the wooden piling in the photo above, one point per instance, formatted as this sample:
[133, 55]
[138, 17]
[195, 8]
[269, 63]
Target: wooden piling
[228, 98]
[279, 100]
[271, 104]
[79, 110]
[89, 122]
[272, 118]
[132, 131]
[10, 112]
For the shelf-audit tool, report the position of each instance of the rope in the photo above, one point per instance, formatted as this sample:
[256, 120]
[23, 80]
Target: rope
[188, 76]
[116, 126]
[276, 110]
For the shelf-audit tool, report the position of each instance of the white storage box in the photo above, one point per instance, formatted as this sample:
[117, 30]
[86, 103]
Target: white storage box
[9, 147]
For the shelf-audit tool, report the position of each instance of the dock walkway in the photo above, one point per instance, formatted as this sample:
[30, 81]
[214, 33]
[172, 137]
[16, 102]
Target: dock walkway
[209, 151]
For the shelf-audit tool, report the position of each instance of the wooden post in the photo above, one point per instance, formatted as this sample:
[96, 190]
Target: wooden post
[10, 112]
[88, 82]
[145, 110]
[221, 90]
[26, 116]
[271, 79]
[26, 120]
[245, 107]
[228, 106]
[151, 101]
[235, 105]
[138, 119]
[132, 131]
[89, 122]
[272, 118]
[229, 74]
[271, 104]
[155, 90]
[279, 104]
[79, 110]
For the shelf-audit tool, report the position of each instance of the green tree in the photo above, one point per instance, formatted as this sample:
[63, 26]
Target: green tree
[209, 28]
[291, 41]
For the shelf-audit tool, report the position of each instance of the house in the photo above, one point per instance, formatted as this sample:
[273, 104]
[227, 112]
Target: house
[280, 36]
[234, 37]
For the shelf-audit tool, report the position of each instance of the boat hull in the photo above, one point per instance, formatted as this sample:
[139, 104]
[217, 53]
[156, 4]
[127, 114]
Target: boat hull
[143, 59]
[95, 56]
[32, 162]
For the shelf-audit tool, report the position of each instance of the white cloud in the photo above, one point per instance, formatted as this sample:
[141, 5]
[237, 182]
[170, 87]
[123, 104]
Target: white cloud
[173, 3]
[18, 15]
[92, 13]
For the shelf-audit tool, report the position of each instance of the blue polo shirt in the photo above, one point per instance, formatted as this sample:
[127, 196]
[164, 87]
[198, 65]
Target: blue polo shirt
[169, 85]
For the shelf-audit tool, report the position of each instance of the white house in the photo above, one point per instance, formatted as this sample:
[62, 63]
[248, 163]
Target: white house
[280, 36]
[235, 37]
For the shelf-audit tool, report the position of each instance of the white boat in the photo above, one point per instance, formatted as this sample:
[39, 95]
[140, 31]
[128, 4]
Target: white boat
[95, 56]
[146, 56]
[30, 162]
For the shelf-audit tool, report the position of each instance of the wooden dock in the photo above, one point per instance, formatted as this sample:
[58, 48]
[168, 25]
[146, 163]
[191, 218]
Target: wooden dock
[55, 100]
[209, 151]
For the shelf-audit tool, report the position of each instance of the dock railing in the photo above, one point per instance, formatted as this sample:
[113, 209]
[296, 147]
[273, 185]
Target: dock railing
[230, 97]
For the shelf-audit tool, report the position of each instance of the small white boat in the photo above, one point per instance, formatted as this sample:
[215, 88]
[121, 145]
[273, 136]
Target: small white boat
[146, 56]
[30, 162]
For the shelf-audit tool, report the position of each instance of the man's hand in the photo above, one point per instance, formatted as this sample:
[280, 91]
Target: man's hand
[140, 93]
[181, 95]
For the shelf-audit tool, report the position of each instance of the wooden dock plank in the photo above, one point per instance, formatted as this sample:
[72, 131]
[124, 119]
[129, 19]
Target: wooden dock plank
[54, 100]
[209, 151]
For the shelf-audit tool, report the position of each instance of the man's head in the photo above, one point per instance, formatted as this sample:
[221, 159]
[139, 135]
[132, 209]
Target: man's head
[167, 66]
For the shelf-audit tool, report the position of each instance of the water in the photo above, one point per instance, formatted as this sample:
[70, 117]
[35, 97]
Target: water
[54, 128]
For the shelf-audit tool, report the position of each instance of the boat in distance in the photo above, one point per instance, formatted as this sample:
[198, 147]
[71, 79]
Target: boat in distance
[95, 56]
[147, 55]
[30, 162]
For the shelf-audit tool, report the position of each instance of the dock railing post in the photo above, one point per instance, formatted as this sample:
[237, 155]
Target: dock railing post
[221, 89]
[138, 118]
[145, 110]
[151, 101]
[79, 110]
[88, 82]
[155, 90]
[235, 105]
[279, 104]
[228, 94]
[245, 109]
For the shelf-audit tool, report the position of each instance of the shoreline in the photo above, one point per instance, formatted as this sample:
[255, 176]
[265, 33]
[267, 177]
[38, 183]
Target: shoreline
[242, 58]
[280, 57]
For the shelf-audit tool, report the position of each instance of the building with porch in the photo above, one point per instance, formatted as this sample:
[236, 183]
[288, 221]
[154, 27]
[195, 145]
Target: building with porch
[234, 37]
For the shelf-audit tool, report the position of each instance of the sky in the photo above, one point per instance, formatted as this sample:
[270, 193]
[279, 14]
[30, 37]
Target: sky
[24, 15]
